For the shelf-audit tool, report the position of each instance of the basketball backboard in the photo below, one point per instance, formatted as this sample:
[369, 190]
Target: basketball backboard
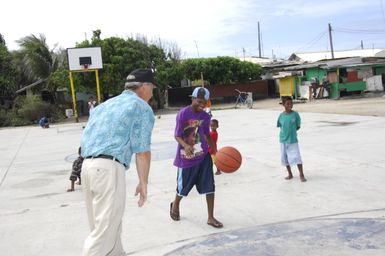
[84, 58]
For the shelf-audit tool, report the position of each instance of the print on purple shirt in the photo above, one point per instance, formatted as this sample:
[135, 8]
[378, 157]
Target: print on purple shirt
[191, 126]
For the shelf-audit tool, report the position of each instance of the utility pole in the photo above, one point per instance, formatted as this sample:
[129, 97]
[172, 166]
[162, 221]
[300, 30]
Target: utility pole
[362, 44]
[259, 41]
[331, 40]
[262, 49]
[243, 49]
[203, 81]
[196, 45]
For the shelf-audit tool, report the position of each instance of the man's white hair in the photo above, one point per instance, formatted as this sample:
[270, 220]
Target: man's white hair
[132, 85]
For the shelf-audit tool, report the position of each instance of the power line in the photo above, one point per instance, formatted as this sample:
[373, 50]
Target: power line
[359, 31]
[382, 10]
[313, 41]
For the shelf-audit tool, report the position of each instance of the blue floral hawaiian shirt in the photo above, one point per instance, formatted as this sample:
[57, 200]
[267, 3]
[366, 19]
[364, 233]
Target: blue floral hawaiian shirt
[119, 127]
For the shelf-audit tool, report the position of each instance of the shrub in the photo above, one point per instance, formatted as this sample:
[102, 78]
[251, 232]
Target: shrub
[16, 120]
[4, 118]
[10, 118]
[57, 113]
[29, 110]
[32, 108]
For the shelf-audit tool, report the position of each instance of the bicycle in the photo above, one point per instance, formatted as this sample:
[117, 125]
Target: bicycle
[244, 98]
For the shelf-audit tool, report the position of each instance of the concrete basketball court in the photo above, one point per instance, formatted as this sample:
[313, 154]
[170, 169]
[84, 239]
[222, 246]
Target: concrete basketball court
[339, 211]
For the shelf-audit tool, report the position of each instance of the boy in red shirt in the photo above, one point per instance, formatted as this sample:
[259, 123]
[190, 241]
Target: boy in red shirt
[214, 124]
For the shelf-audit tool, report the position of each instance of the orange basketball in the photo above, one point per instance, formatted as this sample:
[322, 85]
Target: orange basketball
[228, 159]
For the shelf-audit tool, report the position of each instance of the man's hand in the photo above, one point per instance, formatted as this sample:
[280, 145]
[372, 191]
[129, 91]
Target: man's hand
[143, 160]
[141, 190]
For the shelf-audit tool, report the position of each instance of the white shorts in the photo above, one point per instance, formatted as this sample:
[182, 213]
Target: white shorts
[290, 154]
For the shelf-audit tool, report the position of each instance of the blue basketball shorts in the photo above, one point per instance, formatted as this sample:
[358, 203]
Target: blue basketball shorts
[200, 175]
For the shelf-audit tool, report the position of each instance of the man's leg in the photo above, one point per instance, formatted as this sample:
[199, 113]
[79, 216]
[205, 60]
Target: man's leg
[174, 208]
[294, 157]
[185, 181]
[79, 180]
[87, 193]
[107, 201]
[210, 211]
[290, 174]
[210, 205]
[206, 185]
[285, 160]
[301, 175]
[72, 187]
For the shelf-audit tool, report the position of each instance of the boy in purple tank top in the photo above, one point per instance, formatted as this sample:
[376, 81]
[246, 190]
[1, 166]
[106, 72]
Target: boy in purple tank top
[195, 168]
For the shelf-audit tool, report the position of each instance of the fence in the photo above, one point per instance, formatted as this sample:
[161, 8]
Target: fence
[219, 93]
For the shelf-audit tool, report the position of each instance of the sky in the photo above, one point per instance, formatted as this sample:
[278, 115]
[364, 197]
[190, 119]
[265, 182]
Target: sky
[203, 28]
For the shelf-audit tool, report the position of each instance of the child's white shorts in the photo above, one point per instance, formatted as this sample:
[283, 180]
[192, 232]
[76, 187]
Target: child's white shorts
[290, 154]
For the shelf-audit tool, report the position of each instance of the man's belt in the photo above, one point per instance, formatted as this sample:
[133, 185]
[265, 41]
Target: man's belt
[105, 157]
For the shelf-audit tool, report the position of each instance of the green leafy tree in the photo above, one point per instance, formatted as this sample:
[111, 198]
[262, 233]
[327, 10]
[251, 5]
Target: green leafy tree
[221, 70]
[121, 56]
[7, 72]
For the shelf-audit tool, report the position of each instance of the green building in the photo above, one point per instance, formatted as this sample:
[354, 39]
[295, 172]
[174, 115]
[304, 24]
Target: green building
[342, 75]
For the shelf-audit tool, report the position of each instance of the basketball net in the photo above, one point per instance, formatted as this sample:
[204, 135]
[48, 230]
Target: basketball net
[85, 68]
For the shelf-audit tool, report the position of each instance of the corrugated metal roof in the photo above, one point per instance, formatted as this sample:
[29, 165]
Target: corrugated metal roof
[267, 62]
[31, 85]
[316, 56]
[345, 62]
[258, 60]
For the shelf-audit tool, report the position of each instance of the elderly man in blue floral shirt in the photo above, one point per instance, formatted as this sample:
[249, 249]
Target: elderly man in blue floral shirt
[116, 129]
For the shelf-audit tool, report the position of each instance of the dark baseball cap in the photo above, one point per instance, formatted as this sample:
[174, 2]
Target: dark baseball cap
[141, 75]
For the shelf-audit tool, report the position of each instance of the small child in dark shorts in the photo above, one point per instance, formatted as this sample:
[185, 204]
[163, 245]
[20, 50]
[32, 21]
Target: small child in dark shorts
[76, 170]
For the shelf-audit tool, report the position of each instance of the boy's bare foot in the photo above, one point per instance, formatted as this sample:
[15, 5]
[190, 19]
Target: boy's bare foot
[70, 190]
[289, 177]
[303, 178]
[218, 172]
[214, 223]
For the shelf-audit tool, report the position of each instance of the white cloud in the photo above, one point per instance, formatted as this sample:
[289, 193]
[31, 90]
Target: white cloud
[220, 27]
[173, 20]
[313, 9]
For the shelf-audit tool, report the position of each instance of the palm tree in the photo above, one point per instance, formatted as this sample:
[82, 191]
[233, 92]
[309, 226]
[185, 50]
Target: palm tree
[7, 73]
[39, 62]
